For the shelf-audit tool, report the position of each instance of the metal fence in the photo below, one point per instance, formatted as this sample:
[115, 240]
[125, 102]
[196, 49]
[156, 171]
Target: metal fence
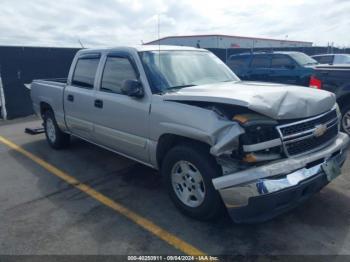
[19, 66]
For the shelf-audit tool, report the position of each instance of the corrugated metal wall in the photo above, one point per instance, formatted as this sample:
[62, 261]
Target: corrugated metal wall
[20, 65]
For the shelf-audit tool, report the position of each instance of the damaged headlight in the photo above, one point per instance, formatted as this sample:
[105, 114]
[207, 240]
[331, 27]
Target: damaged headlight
[261, 141]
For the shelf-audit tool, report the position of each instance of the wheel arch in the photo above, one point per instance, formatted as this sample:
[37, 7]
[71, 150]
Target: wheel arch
[343, 99]
[168, 141]
[44, 107]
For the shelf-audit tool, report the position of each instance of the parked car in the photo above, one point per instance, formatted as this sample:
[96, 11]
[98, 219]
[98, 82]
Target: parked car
[258, 148]
[335, 79]
[279, 67]
[332, 58]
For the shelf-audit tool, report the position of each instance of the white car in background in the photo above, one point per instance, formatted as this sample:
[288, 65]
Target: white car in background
[332, 58]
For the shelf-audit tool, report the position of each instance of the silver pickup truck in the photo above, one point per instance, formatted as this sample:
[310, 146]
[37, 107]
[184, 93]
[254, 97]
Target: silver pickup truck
[258, 149]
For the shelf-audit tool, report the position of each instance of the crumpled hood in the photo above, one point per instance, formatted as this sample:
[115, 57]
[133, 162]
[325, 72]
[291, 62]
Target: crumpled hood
[277, 101]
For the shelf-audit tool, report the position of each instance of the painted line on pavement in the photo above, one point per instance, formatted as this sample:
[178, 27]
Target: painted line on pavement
[146, 224]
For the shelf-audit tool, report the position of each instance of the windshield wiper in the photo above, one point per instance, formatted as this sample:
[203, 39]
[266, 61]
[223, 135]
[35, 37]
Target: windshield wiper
[230, 80]
[174, 88]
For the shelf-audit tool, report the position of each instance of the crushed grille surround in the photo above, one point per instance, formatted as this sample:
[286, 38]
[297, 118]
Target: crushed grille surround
[300, 137]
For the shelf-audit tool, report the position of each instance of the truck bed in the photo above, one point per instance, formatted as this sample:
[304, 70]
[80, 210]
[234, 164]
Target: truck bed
[334, 78]
[49, 91]
[54, 80]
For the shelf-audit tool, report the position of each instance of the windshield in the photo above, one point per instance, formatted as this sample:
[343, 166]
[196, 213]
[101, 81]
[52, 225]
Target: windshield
[303, 59]
[168, 70]
[342, 59]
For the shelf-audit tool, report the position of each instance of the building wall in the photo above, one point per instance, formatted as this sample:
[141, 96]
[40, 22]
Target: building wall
[228, 42]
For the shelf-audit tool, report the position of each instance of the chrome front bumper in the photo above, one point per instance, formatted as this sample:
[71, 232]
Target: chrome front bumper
[238, 188]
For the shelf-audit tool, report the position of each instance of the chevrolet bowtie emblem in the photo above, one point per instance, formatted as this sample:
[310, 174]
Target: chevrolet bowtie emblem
[320, 130]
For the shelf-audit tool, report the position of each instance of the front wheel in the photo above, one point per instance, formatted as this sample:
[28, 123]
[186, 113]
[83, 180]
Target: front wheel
[54, 136]
[188, 174]
[345, 123]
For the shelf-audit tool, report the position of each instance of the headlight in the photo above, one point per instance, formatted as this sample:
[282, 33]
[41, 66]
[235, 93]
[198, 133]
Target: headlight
[257, 128]
[261, 141]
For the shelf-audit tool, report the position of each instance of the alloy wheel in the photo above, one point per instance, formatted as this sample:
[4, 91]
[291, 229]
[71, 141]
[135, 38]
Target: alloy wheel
[188, 183]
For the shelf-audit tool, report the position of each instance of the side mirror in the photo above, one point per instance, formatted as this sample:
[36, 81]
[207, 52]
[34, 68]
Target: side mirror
[132, 88]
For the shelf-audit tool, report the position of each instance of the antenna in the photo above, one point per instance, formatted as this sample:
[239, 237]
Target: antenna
[159, 40]
[160, 67]
[81, 44]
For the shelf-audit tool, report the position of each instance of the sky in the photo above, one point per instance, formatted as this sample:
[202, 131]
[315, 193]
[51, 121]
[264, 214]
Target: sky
[100, 23]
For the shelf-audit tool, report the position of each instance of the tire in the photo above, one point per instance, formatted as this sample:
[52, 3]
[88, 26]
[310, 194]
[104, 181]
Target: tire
[54, 136]
[345, 123]
[208, 205]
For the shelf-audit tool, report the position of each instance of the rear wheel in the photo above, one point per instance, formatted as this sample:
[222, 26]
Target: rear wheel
[54, 136]
[345, 123]
[188, 172]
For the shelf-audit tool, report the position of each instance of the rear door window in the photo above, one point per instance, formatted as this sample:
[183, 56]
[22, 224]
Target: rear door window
[260, 61]
[85, 72]
[281, 61]
[238, 61]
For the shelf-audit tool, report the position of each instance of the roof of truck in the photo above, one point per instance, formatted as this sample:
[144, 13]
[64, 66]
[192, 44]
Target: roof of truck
[265, 53]
[141, 48]
[329, 54]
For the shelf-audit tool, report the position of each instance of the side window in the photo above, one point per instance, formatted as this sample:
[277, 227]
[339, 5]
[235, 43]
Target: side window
[117, 69]
[327, 59]
[85, 71]
[281, 61]
[238, 61]
[341, 59]
[260, 61]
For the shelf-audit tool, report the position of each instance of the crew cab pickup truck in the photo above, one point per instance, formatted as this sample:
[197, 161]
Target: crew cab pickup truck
[335, 79]
[258, 149]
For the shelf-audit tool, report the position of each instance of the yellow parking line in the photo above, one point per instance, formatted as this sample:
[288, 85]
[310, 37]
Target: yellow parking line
[139, 220]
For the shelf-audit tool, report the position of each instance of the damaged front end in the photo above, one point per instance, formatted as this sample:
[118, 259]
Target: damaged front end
[278, 165]
[277, 145]
[257, 144]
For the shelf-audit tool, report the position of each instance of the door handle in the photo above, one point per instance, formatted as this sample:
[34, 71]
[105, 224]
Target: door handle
[70, 98]
[99, 103]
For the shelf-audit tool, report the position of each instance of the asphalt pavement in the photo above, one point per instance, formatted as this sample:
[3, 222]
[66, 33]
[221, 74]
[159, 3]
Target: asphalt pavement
[42, 214]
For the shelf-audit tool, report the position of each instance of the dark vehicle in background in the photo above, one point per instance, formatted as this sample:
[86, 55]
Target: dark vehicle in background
[279, 67]
[332, 58]
[335, 79]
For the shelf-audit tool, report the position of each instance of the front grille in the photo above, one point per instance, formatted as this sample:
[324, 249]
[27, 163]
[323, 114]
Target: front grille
[302, 136]
[312, 142]
[297, 128]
